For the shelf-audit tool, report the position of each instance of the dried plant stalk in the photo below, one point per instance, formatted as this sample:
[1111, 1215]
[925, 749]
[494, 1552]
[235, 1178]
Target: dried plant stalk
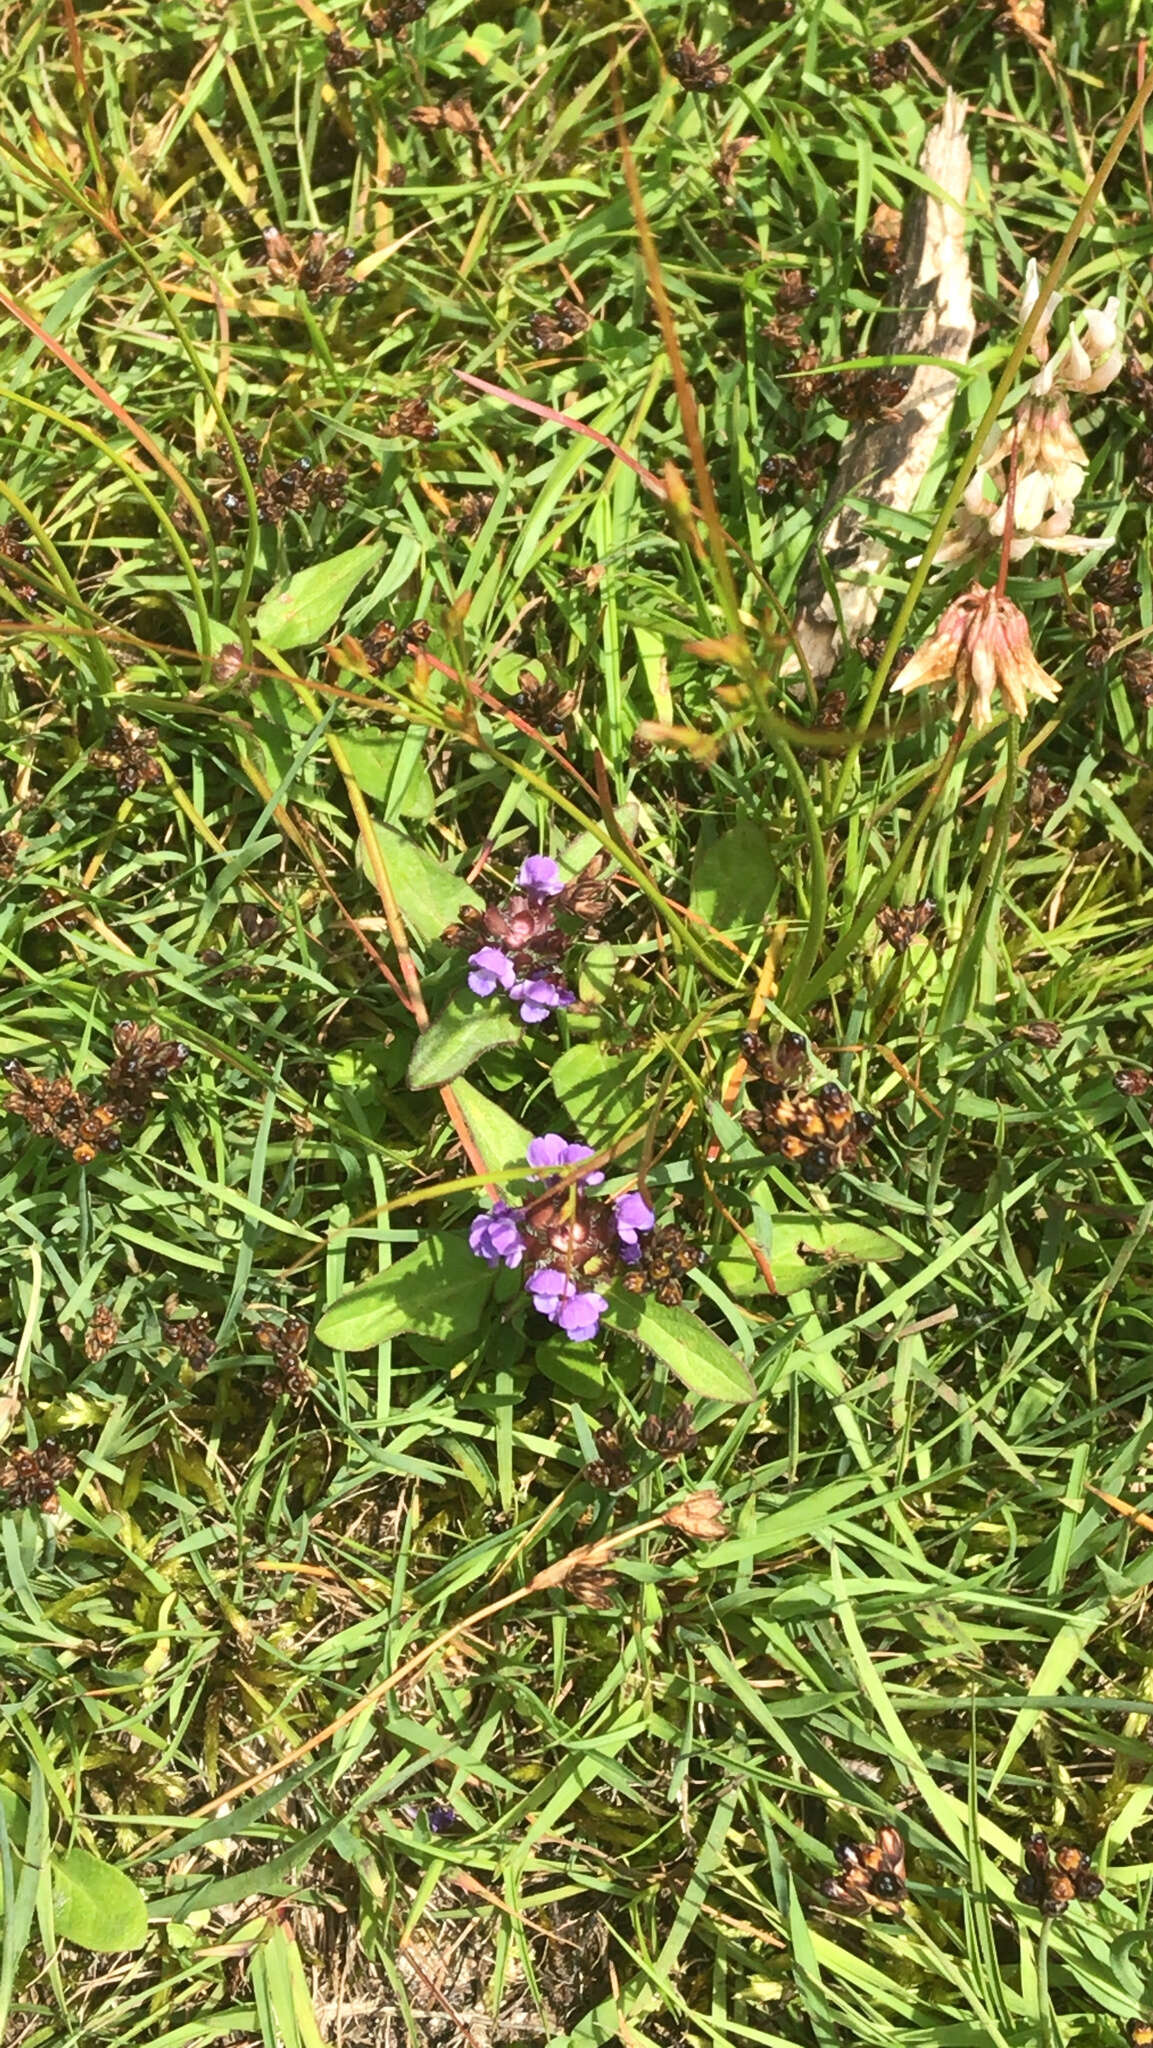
[886, 462]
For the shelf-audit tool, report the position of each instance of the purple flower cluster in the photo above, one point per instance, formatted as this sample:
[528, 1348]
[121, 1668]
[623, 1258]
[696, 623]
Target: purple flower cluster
[525, 944]
[564, 1238]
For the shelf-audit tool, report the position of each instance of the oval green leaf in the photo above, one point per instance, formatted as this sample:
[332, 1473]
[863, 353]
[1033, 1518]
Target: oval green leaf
[501, 1142]
[735, 881]
[687, 1346]
[387, 767]
[303, 610]
[464, 1032]
[95, 1905]
[802, 1251]
[430, 896]
[602, 1092]
[439, 1291]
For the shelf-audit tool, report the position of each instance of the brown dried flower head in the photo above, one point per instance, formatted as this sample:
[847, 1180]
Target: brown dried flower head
[101, 1334]
[982, 643]
[1039, 1031]
[701, 1515]
[29, 1478]
[592, 1586]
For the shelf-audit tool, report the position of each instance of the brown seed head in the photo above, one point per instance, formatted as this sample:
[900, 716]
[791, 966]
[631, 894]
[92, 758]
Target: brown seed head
[701, 1515]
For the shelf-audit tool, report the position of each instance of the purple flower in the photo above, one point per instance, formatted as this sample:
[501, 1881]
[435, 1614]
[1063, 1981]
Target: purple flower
[489, 970]
[537, 997]
[441, 1817]
[540, 876]
[496, 1237]
[633, 1215]
[578, 1315]
[552, 1150]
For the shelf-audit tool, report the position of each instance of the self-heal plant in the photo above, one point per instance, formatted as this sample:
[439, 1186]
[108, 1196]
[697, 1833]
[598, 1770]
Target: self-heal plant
[524, 945]
[564, 1237]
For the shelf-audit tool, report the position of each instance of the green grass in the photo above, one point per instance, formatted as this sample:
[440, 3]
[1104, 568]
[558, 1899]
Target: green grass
[921, 1610]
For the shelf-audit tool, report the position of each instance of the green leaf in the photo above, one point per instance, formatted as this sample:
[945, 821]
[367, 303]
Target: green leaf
[95, 1905]
[687, 1346]
[302, 610]
[801, 1251]
[430, 896]
[439, 1290]
[15, 1816]
[601, 1093]
[575, 1368]
[579, 851]
[500, 1140]
[387, 768]
[735, 881]
[464, 1032]
[598, 973]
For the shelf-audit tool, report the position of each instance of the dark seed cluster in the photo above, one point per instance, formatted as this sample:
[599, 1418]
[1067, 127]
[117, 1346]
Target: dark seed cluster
[29, 1478]
[340, 56]
[286, 1343]
[56, 1109]
[670, 1436]
[881, 247]
[320, 271]
[591, 1586]
[1137, 670]
[890, 65]
[411, 421]
[612, 1466]
[544, 703]
[698, 70]
[387, 645]
[298, 487]
[864, 395]
[144, 1062]
[666, 1259]
[1055, 1877]
[1039, 1031]
[821, 1132]
[901, 927]
[558, 329]
[16, 553]
[130, 758]
[69, 915]
[80, 1124]
[1131, 1081]
[870, 1876]
[191, 1336]
[10, 845]
[1044, 796]
[101, 1334]
[395, 16]
[472, 509]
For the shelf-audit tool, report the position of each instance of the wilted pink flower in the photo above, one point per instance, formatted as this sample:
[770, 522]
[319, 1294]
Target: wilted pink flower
[982, 642]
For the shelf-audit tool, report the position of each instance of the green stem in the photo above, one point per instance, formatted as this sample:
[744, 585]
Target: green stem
[989, 418]
[882, 888]
[818, 918]
[1044, 2028]
[987, 875]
